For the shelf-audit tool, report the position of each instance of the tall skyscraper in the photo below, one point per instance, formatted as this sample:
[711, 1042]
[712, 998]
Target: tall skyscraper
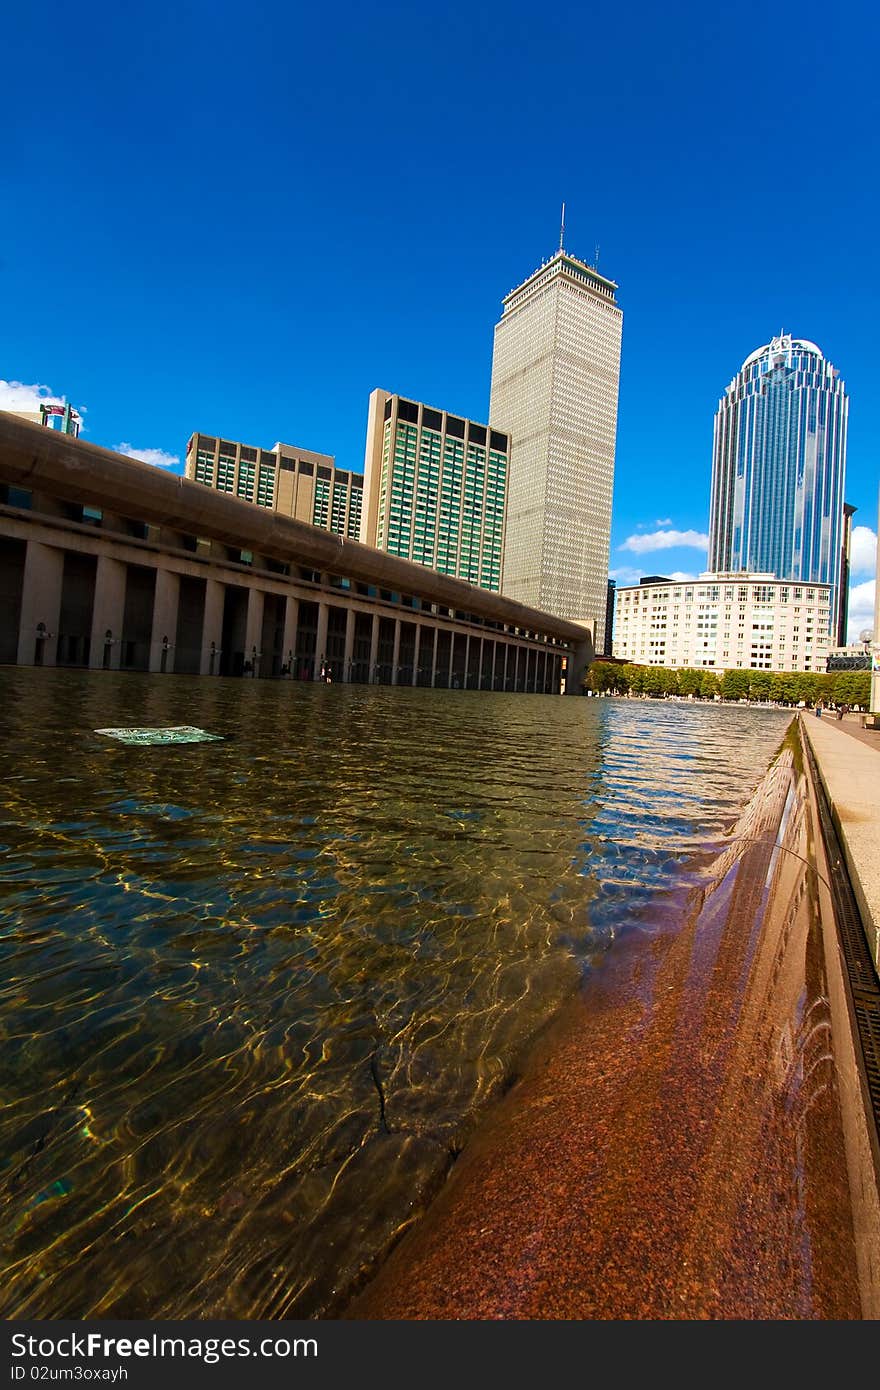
[555, 375]
[778, 468]
[434, 489]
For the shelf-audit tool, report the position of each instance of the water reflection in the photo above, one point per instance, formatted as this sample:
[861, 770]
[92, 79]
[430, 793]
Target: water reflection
[256, 992]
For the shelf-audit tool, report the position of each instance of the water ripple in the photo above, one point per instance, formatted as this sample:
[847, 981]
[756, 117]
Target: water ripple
[255, 994]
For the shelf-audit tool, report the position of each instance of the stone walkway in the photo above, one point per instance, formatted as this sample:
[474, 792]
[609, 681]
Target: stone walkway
[848, 759]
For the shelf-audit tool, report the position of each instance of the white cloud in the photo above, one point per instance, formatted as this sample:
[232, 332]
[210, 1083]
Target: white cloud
[860, 614]
[21, 398]
[666, 521]
[862, 550]
[666, 540]
[624, 574]
[157, 457]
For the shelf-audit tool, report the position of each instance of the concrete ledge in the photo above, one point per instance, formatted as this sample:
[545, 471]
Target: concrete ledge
[850, 775]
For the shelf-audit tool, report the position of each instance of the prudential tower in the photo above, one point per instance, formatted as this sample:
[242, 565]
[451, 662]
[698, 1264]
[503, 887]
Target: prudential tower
[555, 376]
[778, 468]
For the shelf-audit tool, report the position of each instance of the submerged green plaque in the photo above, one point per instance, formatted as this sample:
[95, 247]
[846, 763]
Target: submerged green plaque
[180, 733]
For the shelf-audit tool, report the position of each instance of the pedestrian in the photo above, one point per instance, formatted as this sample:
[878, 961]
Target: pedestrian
[818, 710]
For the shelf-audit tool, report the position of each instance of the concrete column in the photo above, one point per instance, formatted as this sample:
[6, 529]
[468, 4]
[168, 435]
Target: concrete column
[396, 654]
[541, 672]
[434, 656]
[212, 627]
[506, 654]
[253, 628]
[291, 623]
[107, 613]
[416, 649]
[467, 660]
[580, 654]
[374, 647]
[40, 603]
[494, 659]
[321, 638]
[451, 658]
[165, 603]
[349, 645]
[480, 663]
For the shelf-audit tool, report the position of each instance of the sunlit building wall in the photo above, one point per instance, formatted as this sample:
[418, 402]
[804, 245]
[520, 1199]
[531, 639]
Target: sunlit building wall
[725, 622]
[555, 374]
[435, 486]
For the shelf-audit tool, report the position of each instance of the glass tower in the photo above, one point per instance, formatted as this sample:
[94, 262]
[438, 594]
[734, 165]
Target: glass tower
[555, 373]
[778, 467]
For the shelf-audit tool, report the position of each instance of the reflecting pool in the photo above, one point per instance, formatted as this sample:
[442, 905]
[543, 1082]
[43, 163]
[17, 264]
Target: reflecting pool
[256, 993]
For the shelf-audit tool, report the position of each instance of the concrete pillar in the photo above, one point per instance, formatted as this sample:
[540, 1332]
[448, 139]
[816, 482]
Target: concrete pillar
[434, 656]
[40, 603]
[580, 654]
[467, 660]
[349, 644]
[107, 613]
[212, 627]
[396, 654]
[416, 649]
[165, 603]
[291, 623]
[321, 638]
[374, 647]
[253, 627]
[494, 660]
[506, 654]
[449, 676]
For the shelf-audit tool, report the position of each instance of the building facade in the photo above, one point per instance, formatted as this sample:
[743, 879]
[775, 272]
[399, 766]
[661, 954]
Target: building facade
[778, 468]
[295, 482]
[555, 376]
[55, 415]
[435, 487]
[736, 621]
[183, 579]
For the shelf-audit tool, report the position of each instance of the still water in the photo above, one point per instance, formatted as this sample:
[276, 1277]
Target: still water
[255, 994]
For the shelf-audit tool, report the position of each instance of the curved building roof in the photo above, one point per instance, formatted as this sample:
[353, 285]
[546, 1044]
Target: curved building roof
[784, 343]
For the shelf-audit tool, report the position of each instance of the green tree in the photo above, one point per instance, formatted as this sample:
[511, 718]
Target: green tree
[600, 677]
[690, 682]
[635, 678]
[759, 685]
[735, 685]
[709, 685]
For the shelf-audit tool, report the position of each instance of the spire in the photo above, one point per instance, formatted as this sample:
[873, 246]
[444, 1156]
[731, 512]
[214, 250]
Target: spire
[562, 228]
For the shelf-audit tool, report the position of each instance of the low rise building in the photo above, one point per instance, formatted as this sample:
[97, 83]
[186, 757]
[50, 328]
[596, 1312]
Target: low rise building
[726, 621]
[295, 482]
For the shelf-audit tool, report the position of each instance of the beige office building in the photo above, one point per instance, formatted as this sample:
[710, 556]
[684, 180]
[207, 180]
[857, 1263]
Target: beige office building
[435, 486]
[555, 372]
[737, 621]
[296, 482]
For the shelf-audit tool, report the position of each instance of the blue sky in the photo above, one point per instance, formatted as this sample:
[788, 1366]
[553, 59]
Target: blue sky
[242, 219]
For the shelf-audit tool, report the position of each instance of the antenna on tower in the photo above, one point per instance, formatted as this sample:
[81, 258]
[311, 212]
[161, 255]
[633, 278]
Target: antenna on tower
[562, 227]
[596, 258]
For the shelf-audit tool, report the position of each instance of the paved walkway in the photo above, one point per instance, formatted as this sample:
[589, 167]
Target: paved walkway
[848, 759]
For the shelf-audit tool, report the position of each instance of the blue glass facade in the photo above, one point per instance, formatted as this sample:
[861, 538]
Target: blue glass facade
[779, 465]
